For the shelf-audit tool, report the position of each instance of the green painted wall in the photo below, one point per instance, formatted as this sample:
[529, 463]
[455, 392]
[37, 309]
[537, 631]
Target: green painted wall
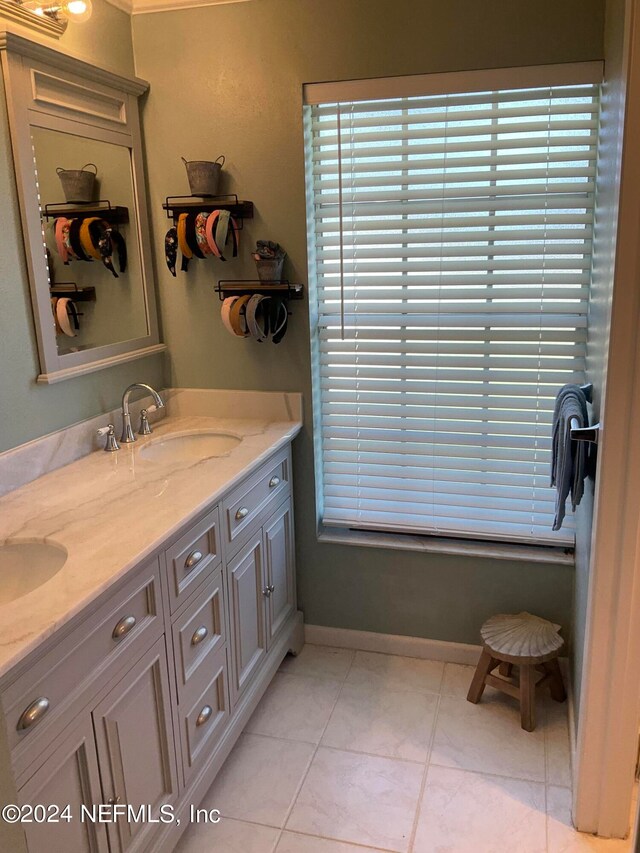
[228, 79]
[605, 235]
[28, 410]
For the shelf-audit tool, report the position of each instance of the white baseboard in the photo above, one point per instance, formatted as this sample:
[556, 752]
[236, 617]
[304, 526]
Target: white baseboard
[392, 644]
[565, 665]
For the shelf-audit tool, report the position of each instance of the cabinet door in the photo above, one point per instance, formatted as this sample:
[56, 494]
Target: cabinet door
[247, 610]
[68, 777]
[280, 569]
[136, 750]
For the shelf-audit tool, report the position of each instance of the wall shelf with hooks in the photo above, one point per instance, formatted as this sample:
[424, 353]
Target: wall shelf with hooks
[114, 214]
[177, 204]
[238, 287]
[72, 291]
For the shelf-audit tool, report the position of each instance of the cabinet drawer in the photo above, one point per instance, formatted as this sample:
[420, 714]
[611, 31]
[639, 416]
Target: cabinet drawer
[247, 500]
[200, 631]
[194, 555]
[203, 721]
[41, 701]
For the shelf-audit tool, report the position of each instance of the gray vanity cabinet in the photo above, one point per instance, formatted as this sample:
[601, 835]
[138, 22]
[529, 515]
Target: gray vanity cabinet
[261, 592]
[279, 565]
[135, 748]
[140, 702]
[247, 589]
[68, 777]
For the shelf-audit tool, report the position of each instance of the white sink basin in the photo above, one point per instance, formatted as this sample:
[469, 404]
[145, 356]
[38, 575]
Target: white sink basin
[189, 447]
[24, 566]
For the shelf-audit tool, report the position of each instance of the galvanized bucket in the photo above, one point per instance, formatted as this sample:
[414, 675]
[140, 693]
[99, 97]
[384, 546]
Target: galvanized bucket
[203, 175]
[270, 269]
[78, 184]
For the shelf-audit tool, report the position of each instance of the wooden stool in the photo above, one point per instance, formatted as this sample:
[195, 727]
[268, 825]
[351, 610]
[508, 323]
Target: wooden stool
[528, 642]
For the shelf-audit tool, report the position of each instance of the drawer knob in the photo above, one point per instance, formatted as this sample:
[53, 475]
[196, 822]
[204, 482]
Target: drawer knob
[271, 587]
[33, 714]
[204, 715]
[243, 512]
[267, 591]
[273, 482]
[123, 627]
[192, 560]
[199, 635]
[113, 800]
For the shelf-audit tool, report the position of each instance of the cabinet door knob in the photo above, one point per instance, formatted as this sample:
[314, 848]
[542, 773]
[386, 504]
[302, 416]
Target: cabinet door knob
[271, 587]
[204, 715]
[192, 560]
[113, 800]
[33, 714]
[199, 635]
[273, 482]
[123, 627]
[266, 591]
[243, 512]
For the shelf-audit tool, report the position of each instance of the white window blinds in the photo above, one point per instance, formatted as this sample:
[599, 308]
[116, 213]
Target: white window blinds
[450, 253]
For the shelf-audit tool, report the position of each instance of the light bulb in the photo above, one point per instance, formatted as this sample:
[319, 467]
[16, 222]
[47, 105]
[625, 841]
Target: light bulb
[35, 7]
[78, 10]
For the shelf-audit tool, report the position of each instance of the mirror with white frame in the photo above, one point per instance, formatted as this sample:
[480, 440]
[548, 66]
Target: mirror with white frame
[86, 238]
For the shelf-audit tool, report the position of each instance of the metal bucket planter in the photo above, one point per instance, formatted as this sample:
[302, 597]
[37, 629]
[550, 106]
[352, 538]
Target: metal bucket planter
[203, 175]
[270, 269]
[78, 185]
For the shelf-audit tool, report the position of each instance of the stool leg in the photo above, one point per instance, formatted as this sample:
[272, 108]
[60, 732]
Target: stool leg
[527, 697]
[556, 685]
[506, 669]
[485, 665]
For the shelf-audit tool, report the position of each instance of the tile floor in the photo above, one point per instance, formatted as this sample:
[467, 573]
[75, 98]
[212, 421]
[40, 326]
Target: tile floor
[354, 751]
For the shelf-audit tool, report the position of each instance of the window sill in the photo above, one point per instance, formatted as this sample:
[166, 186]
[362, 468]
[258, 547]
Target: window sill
[443, 545]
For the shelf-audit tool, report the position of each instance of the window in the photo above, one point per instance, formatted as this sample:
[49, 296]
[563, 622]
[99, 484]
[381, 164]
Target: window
[450, 253]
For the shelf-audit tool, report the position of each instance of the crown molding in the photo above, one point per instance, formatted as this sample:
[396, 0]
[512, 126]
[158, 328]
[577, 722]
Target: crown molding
[124, 5]
[143, 7]
[14, 43]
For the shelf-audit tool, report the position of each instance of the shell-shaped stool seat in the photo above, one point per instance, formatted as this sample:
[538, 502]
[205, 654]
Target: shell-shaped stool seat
[521, 637]
[528, 642]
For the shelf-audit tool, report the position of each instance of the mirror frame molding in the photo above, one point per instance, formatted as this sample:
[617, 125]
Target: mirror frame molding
[13, 11]
[47, 88]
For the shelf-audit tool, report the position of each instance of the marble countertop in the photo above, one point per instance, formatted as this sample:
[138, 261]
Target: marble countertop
[110, 511]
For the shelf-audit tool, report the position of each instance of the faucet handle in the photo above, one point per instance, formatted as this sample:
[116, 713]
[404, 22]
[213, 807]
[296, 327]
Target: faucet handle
[111, 443]
[145, 427]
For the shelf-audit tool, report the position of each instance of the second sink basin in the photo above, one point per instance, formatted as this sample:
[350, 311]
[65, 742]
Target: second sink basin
[24, 566]
[189, 447]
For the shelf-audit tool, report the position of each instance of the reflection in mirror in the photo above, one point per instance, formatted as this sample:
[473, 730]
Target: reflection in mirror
[110, 309]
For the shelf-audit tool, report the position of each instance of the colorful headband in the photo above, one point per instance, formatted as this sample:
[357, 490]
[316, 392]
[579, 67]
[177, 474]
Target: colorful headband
[182, 242]
[190, 235]
[279, 317]
[258, 312]
[171, 249]
[211, 221]
[201, 235]
[86, 238]
[234, 237]
[237, 318]
[75, 242]
[222, 229]
[225, 311]
[61, 234]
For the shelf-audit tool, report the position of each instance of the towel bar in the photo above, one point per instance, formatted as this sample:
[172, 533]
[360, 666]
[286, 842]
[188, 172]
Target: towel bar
[590, 433]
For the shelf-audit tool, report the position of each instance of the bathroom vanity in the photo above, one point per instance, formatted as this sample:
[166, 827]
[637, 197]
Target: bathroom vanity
[127, 675]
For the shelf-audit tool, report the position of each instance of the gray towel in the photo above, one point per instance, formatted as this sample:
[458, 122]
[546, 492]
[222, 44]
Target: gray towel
[568, 458]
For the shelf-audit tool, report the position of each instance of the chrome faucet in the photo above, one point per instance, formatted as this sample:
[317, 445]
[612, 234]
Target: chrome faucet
[127, 432]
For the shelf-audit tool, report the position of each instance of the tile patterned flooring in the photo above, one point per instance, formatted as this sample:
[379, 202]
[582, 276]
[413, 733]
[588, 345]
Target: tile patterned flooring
[355, 751]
